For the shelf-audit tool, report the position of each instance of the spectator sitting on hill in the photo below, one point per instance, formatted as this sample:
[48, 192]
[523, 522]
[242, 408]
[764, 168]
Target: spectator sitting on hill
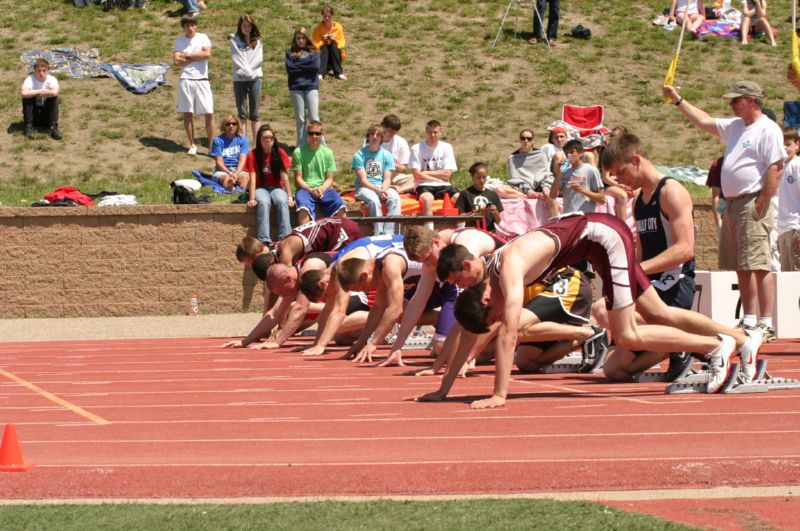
[529, 174]
[40, 100]
[329, 39]
[754, 16]
[554, 148]
[477, 198]
[693, 9]
[229, 151]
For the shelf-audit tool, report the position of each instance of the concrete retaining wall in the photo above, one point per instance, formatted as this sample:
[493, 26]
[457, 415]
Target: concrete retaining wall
[148, 260]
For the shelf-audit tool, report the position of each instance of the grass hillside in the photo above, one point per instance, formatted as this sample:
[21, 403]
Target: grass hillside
[420, 59]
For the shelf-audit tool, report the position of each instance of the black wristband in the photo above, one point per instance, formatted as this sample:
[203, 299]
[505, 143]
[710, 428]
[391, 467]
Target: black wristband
[679, 102]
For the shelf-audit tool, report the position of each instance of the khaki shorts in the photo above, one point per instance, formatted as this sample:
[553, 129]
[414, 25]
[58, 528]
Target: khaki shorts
[744, 240]
[790, 259]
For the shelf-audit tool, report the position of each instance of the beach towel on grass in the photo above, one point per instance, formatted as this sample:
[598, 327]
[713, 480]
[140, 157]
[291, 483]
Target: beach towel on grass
[207, 180]
[139, 79]
[66, 61]
[718, 28]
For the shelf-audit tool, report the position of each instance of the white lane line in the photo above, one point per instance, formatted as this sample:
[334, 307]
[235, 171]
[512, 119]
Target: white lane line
[406, 463]
[522, 436]
[583, 392]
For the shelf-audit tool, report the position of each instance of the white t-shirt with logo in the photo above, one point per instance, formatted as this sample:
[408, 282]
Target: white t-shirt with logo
[398, 147]
[748, 153]
[425, 158]
[788, 217]
[196, 69]
[32, 83]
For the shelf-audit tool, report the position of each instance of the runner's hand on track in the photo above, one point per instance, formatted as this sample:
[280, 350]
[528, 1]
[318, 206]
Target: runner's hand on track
[395, 358]
[488, 403]
[365, 354]
[237, 343]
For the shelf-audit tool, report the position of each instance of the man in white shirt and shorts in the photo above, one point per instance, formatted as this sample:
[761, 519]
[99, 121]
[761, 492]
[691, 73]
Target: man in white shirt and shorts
[191, 52]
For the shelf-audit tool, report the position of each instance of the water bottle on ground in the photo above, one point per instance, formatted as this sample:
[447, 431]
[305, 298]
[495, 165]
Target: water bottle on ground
[194, 306]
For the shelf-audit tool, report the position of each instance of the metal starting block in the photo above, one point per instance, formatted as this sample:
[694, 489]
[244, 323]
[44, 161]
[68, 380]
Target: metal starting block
[413, 342]
[568, 364]
[735, 383]
[661, 376]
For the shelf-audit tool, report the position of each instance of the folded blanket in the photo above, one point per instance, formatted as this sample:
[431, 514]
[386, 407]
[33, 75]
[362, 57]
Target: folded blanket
[207, 180]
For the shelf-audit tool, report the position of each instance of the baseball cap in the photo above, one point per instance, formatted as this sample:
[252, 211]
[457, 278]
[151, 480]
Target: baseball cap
[744, 88]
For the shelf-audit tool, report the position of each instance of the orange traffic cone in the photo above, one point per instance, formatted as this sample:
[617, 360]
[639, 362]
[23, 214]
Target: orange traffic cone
[448, 209]
[10, 453]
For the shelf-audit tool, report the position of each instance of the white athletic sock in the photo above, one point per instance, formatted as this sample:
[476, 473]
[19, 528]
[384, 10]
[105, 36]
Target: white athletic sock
[749, 320]
[767, 321]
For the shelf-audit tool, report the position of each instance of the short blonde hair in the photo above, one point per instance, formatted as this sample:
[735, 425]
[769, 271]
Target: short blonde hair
[417, 240]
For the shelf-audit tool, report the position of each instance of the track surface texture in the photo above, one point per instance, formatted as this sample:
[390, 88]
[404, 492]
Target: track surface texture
[181, 418]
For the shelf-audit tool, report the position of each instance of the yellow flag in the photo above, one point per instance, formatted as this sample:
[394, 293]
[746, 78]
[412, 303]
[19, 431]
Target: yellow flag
[669, 79]
[796, 54]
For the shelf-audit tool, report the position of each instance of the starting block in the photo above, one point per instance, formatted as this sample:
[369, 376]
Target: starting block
[413, 342]
[735, 384]
[568, 364]
[661, 376]
[573, 363]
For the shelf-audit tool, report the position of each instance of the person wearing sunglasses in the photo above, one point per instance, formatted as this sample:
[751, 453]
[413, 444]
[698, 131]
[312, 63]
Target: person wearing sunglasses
[529, 175]
[314, 167]
[229, 151]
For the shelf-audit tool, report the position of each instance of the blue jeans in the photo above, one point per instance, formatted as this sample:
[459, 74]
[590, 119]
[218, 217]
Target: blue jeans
[266, 197]
[306, 108]
[552, 19]
[191, 6]
[248, 95]
[374, 209]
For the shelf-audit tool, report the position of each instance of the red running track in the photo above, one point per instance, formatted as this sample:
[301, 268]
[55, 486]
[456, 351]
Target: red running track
[186, 419]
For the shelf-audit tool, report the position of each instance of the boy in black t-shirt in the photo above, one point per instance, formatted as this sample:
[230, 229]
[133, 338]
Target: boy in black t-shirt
[478, 198]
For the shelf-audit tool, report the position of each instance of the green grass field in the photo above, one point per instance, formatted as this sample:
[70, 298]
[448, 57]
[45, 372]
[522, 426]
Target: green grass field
[421, 60]
[482, 514]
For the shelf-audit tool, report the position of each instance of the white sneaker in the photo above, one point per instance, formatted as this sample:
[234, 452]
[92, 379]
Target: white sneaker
[193, 150]
[749, 352]
[719, 363]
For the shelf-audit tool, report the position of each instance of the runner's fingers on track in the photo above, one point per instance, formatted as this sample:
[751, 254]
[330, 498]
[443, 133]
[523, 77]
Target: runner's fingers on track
[395, 358]
[425, 372]
[232, 344]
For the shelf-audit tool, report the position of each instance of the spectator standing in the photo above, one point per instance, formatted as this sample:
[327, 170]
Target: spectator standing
[314, 167]
[329, 39]
[552, 21]
[788, 218]
[750, 174]
[40, 97]
[302, 65]
[191, 52]
[193, 7]
[267, 166]
[477, 198]
[247, 55]
[229, 151]
[433, 162]
[398, 146]
[373, 166]
[580, 184]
